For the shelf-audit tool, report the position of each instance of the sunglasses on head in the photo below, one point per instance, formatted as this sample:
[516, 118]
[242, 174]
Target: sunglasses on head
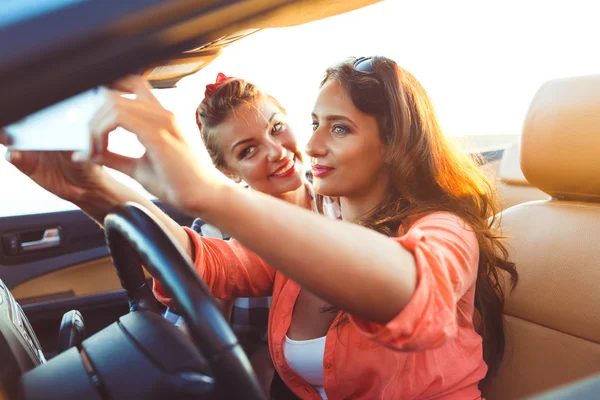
[364, 64]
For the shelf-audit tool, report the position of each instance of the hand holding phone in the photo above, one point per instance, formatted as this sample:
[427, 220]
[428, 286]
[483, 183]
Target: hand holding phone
[63, 126]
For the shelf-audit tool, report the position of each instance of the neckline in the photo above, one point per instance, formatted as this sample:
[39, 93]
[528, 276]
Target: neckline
[307, 341]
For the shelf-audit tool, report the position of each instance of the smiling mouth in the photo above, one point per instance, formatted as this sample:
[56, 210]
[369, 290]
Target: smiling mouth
[285, 170]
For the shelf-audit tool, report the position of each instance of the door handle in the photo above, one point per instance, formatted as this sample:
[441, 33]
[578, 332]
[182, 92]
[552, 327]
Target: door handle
[51, 238]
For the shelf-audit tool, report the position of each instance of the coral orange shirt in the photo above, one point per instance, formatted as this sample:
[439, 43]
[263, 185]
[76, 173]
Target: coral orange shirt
[430, 350]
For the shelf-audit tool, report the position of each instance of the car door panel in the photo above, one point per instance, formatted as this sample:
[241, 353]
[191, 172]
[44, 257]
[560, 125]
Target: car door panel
[75, 274]
[92, 277]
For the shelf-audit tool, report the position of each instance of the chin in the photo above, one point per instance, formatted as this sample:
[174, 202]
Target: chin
[289, 185]
[324, 189]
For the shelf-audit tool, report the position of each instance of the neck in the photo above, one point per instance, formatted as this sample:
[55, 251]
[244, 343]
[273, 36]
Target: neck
[299, 197]
[356, 206]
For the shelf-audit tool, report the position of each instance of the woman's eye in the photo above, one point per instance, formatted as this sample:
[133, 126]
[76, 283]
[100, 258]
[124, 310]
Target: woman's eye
[247, 152]
[278, 127]
[315, 126]
[340, 130]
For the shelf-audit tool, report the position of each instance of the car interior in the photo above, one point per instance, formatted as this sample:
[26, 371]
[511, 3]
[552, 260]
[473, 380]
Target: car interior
[551, 316]
[76, 322]
[512, 186]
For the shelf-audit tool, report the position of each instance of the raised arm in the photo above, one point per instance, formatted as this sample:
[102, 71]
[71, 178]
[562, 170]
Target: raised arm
[362, 271]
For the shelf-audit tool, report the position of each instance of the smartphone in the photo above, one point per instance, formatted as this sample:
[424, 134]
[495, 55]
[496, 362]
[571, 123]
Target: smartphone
[61, 126]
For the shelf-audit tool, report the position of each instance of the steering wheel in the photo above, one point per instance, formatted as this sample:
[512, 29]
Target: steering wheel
[136, 238]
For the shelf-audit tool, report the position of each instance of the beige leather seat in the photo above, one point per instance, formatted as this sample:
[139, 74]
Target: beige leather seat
[553, 317]
[513, 188]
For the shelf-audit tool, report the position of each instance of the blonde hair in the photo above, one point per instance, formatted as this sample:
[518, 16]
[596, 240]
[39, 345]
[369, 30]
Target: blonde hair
[218, 105]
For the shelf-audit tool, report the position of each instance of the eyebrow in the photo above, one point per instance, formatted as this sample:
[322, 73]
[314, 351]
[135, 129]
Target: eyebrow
[241, 142]
[331, 118]
[269, 123]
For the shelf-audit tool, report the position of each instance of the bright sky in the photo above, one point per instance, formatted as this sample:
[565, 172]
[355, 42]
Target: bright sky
[480, 61]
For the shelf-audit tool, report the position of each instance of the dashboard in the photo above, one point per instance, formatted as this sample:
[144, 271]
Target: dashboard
[20, 350]
[161, 362]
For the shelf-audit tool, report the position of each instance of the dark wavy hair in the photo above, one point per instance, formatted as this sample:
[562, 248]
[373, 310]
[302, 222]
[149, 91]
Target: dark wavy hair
[429, 173]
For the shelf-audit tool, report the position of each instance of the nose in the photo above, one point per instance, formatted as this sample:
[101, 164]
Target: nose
[276, 151]
[316, 146]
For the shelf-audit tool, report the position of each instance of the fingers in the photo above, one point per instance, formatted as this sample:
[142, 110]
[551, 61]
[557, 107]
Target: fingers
[121, 113]
[14, 157]
[154, 127]
[137, 85]
[10, 155]
[5, 138]
[123, 164]
[24, 161]
[151, 123]
[132, 115]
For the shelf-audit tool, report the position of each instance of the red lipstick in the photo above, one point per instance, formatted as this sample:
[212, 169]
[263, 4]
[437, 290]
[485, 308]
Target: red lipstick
[319, 171]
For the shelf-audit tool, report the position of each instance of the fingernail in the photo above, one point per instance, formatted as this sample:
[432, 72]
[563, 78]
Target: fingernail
[78, 156]
[12, 156]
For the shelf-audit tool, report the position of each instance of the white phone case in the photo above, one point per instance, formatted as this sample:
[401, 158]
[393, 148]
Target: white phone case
[61, 126]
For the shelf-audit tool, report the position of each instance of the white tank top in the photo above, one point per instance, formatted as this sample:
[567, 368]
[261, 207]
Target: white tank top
[305, 357]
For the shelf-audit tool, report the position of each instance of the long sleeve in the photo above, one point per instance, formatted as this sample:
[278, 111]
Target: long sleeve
[446, 253]
[228, 269]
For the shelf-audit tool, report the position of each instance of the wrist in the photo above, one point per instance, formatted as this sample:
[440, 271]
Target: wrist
[208, 204]
[97, 201]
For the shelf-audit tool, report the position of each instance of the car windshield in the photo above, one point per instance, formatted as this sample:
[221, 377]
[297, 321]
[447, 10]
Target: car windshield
[481, 63]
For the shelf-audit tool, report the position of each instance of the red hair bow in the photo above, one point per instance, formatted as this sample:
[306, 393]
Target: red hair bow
[211, 87]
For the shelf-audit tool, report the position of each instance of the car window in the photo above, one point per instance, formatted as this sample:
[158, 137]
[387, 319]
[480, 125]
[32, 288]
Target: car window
[481, 63]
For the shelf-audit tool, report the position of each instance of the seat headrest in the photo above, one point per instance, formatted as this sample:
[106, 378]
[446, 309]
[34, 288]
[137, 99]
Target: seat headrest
[560, 145]
[510, 166]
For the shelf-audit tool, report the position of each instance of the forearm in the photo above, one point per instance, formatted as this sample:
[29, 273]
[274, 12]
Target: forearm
[355, 268]
[98, 204]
